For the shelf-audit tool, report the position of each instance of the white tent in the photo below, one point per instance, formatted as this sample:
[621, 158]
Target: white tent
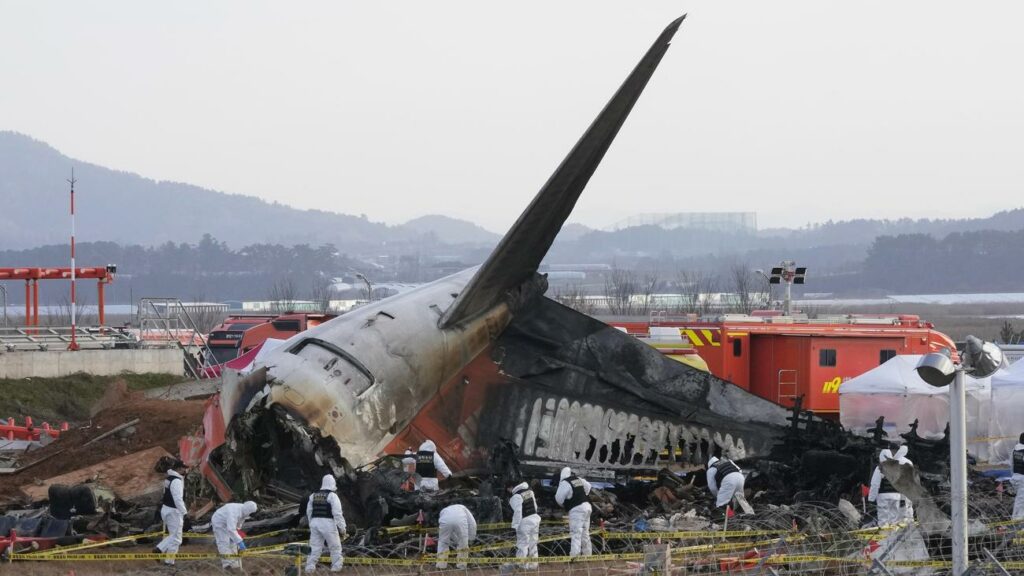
[1007, 411]
[895, 391]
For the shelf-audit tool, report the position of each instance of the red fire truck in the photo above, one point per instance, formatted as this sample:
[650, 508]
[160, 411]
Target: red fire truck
[239, 334]
[781, 358]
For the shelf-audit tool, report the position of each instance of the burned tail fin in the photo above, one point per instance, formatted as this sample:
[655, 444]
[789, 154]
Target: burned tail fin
[519, 253]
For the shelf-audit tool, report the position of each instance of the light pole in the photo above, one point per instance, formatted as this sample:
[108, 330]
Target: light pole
[788, 273]
[369, 286]
[982, 359]
[768, 285]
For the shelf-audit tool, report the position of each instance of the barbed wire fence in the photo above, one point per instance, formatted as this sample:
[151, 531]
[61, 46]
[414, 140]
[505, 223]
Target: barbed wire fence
[805, 538]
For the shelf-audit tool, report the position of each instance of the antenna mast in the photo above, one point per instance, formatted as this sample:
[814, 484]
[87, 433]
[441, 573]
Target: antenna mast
[74, 339]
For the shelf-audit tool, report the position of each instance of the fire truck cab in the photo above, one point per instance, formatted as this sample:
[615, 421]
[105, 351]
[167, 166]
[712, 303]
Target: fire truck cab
[239, 334]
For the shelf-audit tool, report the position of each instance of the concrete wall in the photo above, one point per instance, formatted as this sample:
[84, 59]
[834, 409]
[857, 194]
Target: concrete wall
[52, 363]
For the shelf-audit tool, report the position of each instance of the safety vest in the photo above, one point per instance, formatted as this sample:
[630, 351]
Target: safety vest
[168, 499]
[425, 464]
[579, 495]
[321, 505]
[724, 468]
[529, 503]
[1018, 461]
[886, 487]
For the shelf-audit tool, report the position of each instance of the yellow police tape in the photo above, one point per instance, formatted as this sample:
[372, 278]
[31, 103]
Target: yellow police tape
[677, 535]
[98, 544]
[69, 553]
[777, 559]
[133, 538]
[451, 557]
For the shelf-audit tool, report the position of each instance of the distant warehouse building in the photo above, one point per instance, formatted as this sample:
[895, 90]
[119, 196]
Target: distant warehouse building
[718, 221]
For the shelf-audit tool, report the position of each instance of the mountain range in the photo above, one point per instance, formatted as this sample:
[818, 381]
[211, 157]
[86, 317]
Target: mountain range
[130, 209]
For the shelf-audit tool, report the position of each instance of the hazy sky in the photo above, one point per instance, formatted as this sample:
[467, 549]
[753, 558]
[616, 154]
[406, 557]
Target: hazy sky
[800, 111]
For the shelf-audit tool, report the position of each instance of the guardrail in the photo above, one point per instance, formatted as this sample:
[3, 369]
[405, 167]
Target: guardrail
[35, 338]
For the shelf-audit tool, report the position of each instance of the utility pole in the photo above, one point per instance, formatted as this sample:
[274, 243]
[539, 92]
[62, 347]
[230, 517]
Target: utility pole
[74, 339]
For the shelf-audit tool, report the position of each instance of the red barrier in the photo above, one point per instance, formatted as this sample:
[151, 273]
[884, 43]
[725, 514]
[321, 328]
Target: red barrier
[11, 431]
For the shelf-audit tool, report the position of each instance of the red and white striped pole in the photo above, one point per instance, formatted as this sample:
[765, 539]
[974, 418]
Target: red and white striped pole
[74, 339]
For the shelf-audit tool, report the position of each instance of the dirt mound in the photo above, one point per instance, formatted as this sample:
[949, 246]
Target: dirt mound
[161, 423]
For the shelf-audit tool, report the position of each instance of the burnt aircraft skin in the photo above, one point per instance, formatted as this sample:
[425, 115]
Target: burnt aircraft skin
[593, 396]
[568, 389]
[363, 377]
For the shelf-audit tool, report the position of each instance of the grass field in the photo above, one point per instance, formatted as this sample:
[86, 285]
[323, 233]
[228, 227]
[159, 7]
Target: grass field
[68, 398]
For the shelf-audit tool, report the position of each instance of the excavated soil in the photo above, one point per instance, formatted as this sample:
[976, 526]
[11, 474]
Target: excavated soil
[161, 423]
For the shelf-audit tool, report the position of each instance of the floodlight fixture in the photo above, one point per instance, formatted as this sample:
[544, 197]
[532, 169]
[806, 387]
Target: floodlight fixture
[981, 359]
[788, 273]
[936, 369]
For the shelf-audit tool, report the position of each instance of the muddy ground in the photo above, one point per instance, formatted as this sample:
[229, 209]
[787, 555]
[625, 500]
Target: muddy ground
[161, 423]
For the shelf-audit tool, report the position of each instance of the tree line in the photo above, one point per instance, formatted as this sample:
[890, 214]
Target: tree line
[206, 270]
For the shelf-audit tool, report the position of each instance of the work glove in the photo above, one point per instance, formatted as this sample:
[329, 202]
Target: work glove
[241, 545]
[343, 534]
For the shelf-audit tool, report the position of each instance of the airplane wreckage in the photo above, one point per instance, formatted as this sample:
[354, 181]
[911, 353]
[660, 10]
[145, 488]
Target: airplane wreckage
[509, 383]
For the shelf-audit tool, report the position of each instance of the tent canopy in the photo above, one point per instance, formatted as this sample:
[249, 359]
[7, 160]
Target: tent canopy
[1007, 411]
[897, 376]
[895, 391]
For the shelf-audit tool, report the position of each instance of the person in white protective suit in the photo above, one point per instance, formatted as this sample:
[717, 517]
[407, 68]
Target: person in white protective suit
[892, 506]
[573, 494]
[1018, 478]
[409, 469]
[172, 511]
[326, 525]
[525, 521]
[428, 464]
[226, 523]
[456, 528]
[725, 481]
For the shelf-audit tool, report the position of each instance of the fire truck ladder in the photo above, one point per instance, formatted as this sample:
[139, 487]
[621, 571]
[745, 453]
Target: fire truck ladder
[788, 388]
[169, 322]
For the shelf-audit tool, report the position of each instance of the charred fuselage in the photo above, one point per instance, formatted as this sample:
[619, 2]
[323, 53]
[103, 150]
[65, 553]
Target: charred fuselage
[426, 363]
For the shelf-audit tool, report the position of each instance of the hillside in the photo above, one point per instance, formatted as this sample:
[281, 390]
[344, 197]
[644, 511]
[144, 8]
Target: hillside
[155, 230]
[451, 230]
[131, 209]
